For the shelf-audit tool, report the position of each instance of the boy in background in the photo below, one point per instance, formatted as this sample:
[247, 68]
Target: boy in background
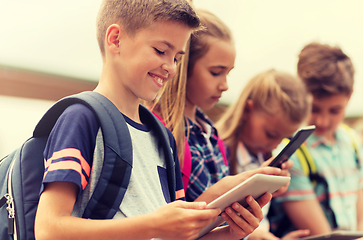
[336, 200]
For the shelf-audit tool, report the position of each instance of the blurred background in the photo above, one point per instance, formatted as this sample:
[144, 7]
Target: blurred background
[48, 49]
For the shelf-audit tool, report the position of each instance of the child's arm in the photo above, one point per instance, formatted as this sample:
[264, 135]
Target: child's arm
[307, 214]
[178, 220]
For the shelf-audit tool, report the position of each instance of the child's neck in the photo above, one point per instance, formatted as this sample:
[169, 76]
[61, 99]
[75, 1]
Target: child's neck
[127, 106]
[190, 111]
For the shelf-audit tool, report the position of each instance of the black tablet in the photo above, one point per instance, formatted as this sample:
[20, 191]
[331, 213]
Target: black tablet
[291, 147]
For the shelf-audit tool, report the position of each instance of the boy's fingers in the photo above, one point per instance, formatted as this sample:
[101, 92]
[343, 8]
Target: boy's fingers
[193, 205]
[205, 214]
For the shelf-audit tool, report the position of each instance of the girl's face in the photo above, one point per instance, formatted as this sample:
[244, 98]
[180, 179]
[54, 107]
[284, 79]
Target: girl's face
[327, 113]
[262, 132]
[208, 79]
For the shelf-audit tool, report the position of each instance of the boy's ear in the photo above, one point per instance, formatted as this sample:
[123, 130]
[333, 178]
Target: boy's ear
[113, 38]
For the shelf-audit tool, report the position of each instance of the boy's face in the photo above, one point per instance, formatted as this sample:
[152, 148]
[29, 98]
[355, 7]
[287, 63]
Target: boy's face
[149, 58]
[327, 113]
[208, 79]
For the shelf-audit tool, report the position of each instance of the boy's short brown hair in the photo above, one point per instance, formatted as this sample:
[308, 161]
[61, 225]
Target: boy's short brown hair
[326, 70]
[134, 15]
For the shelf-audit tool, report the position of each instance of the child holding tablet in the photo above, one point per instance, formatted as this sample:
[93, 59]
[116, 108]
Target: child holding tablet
[272, 106]
[332, 197]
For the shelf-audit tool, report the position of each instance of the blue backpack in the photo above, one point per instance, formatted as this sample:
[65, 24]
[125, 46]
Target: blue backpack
[21, 172]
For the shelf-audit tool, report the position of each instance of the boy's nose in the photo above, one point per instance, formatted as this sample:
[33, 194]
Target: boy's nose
[322, 121]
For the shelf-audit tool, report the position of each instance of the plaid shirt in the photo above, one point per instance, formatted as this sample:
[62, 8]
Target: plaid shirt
[337, 164]
[207, 161]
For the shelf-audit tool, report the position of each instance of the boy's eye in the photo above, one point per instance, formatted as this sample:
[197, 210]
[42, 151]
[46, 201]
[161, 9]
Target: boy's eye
[334, 111]
[159, 52]
[215, 73]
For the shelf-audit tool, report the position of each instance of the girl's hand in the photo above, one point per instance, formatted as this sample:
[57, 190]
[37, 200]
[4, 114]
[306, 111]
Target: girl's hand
[243, 221]
[284, 172]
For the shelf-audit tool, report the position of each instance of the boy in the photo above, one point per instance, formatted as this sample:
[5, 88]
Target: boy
[329, 76]
[141, 42]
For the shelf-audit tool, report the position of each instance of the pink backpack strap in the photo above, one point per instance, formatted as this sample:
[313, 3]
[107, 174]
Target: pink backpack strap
[187, 165]
[223, 150]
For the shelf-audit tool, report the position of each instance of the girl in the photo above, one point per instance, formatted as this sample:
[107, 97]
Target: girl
[211, 58]
[272, 106]
[200, 82]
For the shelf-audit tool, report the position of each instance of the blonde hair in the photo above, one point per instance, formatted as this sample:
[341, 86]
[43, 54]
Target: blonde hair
[171, 101]
[268, 91]
[134, 15]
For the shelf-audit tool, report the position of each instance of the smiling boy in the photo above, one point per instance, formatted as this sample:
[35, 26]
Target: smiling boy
[140, 42]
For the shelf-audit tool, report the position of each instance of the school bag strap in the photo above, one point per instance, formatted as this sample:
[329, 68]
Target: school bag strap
[355, 144]
[163, 136]
[116, 169]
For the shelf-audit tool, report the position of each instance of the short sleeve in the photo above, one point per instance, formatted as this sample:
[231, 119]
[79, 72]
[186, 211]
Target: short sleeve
[70, 146]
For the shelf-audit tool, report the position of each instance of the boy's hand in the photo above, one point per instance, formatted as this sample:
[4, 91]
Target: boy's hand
[183, 220]
[243, 221]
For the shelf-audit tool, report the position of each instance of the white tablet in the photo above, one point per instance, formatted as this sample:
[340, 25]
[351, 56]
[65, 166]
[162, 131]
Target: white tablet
[336, 235]
[256, 186]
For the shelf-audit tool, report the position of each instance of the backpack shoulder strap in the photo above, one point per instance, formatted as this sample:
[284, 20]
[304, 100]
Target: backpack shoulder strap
[187, 165]
[354, 142]
[162, 134]
[116, 170]
[305, 159]
[223, 150]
